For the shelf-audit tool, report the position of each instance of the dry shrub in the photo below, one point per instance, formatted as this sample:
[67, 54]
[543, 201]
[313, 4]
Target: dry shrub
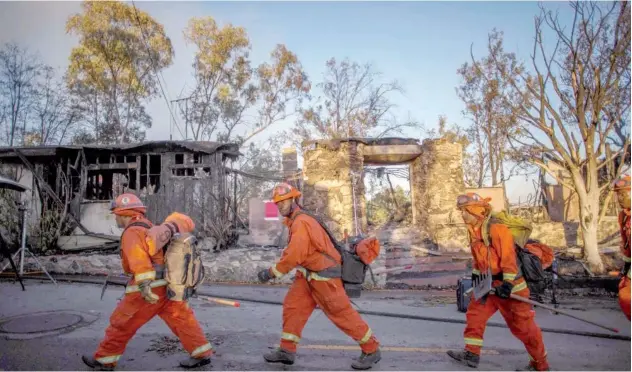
[10, 217]
[53, 223]
[221, 229]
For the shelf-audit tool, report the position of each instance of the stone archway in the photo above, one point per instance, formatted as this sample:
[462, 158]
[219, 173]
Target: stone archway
[332, 167]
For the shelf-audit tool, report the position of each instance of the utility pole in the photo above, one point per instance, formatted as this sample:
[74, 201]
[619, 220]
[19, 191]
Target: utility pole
[186, 119]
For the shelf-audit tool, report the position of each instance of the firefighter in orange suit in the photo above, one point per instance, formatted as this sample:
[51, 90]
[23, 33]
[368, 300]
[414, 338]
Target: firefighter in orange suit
[500, 257]
[317, 282]
[622, 188]
[145, 294]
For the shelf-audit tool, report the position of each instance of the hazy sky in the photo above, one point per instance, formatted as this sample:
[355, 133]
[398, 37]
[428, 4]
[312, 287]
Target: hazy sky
[421, 44]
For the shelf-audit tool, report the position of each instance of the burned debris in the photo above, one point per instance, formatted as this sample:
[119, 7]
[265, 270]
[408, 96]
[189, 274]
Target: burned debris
[73, 186]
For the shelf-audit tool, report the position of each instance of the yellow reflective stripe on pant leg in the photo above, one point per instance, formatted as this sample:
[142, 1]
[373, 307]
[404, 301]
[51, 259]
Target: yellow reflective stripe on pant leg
[532, 359]
[473, 341]
[202, 349]
[626, 259]
[109, 360]
[290, 337]
[276, 272]
[476, 272]
[367, 337]
[519, 287]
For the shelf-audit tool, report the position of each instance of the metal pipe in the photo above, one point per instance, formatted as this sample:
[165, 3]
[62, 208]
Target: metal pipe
[365, 312]
[22, 209]
[437, 319]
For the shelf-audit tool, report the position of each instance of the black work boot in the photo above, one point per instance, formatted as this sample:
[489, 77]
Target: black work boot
[280, 356]
[366, 361]
[192, 362]
[94, 364]
[465, 357]
[531, 367]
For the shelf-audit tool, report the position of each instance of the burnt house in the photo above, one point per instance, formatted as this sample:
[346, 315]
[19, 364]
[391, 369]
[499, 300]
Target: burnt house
[184, 176]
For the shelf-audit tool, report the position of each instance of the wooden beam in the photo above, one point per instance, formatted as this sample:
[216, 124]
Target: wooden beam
[191, 166]
[50, 192]
[122, 166]
[76, 165]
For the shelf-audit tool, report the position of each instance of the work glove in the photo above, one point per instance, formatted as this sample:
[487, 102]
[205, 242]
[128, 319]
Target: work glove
[145, 291]
[264, 276]
[504, 290]
[475, 278]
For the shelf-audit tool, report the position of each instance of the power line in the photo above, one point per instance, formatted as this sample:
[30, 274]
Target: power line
[156, 72]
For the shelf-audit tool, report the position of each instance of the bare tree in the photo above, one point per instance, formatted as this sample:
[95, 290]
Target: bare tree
[55, 115]
[19, 71]
[491, 106]
[572, 102]
[263, 161]
[354, 104]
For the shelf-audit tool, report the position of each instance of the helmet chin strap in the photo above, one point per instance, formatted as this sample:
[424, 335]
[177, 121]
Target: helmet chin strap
[293, 206]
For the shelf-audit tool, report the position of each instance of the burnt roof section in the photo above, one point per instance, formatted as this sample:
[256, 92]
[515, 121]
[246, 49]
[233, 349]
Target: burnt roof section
[203, 147]
[385, 141]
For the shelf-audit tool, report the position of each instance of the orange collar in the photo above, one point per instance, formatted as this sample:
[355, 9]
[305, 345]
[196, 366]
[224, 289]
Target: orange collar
[289, 219]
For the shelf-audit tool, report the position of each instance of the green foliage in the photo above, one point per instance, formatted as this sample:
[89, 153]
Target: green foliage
[228, 87]
[53, 223]
[385, 206]
[10, 217]
[113, 69]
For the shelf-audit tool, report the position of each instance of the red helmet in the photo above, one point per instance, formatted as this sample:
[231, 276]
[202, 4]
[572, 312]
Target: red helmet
[284, 191]
[622, 183]
[471, 198]
[127, 202]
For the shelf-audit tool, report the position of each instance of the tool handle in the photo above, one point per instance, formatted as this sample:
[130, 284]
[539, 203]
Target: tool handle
[534, 303]
[221, 301]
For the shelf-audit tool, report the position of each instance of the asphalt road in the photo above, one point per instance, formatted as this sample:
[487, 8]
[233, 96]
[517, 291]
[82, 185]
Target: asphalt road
[241, 335]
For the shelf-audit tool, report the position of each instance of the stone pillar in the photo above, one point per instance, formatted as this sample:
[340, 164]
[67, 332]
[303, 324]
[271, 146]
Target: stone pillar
[290, 162]
[330, 169]
[436, 180]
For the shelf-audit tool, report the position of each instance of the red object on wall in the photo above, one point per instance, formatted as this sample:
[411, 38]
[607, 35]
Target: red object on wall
[271, 211]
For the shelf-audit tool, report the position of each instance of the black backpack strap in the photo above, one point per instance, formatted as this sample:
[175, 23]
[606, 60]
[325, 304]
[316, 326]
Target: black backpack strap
[135, 223]
[138, 223]
[517, 249]
[334, 241]
[331, 237]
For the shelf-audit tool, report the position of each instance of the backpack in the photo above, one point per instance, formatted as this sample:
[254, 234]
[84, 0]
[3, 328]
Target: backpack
[356, 261]
[529, 264]
[184, 271]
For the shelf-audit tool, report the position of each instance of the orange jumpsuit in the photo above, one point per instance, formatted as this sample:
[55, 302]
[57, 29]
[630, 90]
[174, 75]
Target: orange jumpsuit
[133, 311]
[519, 316]
[307, 240]
[624, 284]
